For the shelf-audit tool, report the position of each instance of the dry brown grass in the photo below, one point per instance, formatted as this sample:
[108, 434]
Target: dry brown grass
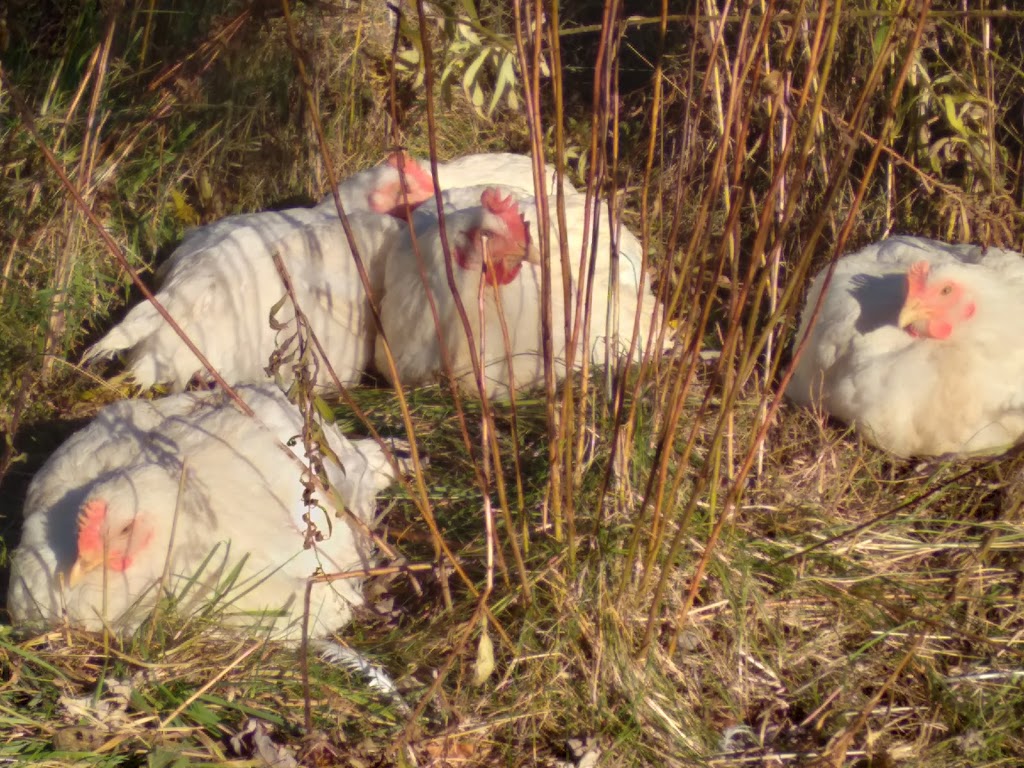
[715, 577]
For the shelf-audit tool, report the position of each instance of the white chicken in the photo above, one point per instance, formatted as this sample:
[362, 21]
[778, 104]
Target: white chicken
[188, 497]
[607, 330]
[222, 297]
[485, 169]
[614, 303]
[220, 284]
[916, 345]
[508, 285]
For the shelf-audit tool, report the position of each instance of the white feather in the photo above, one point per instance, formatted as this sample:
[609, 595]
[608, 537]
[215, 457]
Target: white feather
[376, 677]
[917, 396]
[221, 293]
[463, 179]
[198, 468]
[408, 322]
[523, 295]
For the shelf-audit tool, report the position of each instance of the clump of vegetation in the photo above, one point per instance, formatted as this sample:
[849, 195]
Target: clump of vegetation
[686, 570]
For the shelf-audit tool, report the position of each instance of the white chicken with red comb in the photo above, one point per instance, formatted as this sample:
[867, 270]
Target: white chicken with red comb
[617, 294]
[483, 169]
[621, 289]
[917, 346]
[494, 269]
[189, 497]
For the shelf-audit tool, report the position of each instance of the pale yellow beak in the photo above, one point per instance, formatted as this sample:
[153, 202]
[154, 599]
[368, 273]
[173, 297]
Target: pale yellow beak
[913, 311]
[78, 571]
[532, 256]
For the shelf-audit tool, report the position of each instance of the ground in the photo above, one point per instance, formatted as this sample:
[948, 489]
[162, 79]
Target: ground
[708, 576]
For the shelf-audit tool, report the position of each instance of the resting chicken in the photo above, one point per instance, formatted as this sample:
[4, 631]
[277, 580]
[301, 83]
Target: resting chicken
[492, 272]
[221, 284]
[188, 497]
[918, 346]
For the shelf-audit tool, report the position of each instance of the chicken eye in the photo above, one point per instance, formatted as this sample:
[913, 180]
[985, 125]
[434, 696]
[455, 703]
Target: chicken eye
[946, 290]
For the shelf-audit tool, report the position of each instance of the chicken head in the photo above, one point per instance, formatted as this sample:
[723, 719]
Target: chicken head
[106, 541]
[390, 197]
[499, 243]
[933, 307]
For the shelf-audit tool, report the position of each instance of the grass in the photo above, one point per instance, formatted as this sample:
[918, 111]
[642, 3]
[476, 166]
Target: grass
[821, 586]
[734, 581]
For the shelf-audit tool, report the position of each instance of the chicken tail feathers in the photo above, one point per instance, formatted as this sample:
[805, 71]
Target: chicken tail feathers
[138, 335]
[141, 322]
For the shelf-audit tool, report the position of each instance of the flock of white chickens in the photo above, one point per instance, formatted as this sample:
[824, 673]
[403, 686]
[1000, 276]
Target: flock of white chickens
[187, 496]
[914, 342]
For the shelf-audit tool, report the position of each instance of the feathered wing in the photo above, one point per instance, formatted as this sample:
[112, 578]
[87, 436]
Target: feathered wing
[414, 275]
[621, 289]
[356, 193]
[230, 514]
[512, 349]
[916, 396]
[264, 226]
[222, 297]
[331, 293]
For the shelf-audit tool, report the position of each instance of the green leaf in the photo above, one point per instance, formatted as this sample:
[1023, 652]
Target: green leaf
[951, 115]
[878, 41]
[506, 82]
[325, 410]
[203, 715]
[470, 9]
[448, 71]
[469, 84]
[166, 758]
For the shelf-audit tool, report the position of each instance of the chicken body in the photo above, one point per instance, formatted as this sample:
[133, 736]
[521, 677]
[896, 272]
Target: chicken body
[499, 304]
[618, 293]
[187, 496]
[221, 283]
[910, 394]
[222, 296]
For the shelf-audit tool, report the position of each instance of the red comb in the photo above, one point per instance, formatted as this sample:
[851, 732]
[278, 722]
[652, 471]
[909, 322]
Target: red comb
[917, 277]
[507, 208]
[417, 178]
[90, 520]
[400, 156]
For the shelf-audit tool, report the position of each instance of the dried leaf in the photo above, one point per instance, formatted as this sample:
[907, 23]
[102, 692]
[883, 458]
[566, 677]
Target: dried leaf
[278, 326]
[484, 665]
